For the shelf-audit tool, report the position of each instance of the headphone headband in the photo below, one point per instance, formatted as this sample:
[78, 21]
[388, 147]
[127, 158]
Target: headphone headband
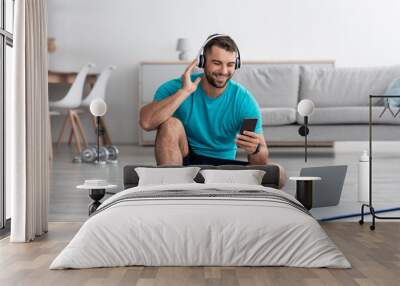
[209, 39]
[201, 59]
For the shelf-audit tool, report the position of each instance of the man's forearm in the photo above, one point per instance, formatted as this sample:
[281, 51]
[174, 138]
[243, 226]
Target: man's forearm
[261, 158]
[155, 113]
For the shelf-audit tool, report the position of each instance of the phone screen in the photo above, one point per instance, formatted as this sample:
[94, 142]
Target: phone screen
[249, 124]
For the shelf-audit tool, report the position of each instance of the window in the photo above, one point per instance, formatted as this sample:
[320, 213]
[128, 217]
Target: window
[6, 43]
[9, 18]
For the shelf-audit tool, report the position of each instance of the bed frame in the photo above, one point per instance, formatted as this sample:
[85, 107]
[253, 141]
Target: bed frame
[270, 179]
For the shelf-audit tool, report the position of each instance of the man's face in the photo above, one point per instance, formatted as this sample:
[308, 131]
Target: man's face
[219, 66]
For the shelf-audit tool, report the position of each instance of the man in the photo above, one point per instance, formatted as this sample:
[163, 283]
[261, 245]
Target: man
[198, 117]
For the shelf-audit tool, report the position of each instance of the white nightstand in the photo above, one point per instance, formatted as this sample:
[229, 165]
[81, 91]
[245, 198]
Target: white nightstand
[97, 190]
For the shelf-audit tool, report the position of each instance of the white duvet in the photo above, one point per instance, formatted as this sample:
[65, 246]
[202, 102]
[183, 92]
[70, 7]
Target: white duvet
[183, 231]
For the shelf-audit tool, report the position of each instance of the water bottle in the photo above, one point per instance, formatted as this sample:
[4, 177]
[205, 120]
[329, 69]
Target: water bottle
[363, 178]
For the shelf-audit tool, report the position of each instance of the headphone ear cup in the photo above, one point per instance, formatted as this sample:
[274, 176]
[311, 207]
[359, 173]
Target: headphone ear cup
[237, 63]
[201, 61]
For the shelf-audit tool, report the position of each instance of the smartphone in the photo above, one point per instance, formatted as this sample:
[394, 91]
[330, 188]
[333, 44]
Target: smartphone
[249, 124]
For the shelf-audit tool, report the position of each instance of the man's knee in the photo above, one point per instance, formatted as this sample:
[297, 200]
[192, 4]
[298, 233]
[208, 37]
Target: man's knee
[171, 128]
[170, 135]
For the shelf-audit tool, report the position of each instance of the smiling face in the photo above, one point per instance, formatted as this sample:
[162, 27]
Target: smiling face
[219, 66]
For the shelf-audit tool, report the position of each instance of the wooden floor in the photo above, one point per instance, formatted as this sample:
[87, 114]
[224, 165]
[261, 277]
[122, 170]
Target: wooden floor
[375, 257]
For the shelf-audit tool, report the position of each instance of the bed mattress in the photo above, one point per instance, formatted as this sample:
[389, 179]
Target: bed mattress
[201, 225]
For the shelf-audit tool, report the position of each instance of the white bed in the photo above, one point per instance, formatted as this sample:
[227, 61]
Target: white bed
[248, 225]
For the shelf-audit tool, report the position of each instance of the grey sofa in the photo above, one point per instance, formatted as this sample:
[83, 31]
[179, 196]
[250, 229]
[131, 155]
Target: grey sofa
[340, 95]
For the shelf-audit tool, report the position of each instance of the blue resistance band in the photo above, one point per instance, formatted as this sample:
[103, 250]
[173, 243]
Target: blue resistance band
[358, 214]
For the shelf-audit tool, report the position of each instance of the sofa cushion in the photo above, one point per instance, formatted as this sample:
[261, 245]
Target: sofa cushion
[345, 86]
[275, 86]
[278, 116]
[349, 115]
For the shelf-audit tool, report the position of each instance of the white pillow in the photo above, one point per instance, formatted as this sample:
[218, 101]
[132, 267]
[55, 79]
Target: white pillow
[164, 176]
[248, 177]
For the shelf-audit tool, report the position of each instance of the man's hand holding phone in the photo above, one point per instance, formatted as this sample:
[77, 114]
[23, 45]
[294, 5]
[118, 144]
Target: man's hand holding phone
[248, 139]
[188, 86]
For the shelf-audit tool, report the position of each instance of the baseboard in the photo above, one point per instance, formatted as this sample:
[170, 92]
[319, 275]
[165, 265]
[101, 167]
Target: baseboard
[313, 144]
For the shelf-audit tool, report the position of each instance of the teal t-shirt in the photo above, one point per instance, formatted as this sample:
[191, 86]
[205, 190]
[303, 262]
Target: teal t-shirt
[211, 124]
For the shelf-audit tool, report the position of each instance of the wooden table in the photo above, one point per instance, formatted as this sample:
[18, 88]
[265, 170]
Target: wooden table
[62, 77]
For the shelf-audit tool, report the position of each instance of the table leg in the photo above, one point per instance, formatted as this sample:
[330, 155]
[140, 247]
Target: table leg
[304, 193]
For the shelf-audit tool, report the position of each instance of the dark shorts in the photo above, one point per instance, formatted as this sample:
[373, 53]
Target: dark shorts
[194, 159]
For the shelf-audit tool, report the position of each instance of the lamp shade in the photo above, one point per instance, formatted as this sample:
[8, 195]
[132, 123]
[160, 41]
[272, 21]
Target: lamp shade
[182, 44]
[305, 107]
[98, 107]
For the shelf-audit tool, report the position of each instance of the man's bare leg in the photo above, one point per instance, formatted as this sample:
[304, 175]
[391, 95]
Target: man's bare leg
[171, 143]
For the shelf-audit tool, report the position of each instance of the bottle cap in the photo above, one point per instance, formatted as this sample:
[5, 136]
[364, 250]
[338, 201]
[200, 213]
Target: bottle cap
[364, 157]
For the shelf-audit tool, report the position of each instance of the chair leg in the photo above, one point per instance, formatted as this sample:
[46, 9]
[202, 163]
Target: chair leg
[70, 137]
[67, 119]
[80, 128]
[75, 132]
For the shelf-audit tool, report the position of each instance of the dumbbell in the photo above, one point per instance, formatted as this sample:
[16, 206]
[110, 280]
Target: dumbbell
[112, 153]
[89, 154]
[103, 154]
[106, 154]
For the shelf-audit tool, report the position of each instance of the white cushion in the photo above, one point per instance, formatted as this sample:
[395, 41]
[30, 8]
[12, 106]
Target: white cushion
[165, 176]
[248, 177]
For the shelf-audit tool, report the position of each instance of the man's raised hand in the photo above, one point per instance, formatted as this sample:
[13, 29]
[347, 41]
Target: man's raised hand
[187, 84]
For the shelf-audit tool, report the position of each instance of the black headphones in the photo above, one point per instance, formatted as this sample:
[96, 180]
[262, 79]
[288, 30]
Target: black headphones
[201, 61]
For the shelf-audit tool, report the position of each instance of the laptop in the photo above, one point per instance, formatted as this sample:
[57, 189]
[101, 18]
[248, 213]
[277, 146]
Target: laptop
[327, 191]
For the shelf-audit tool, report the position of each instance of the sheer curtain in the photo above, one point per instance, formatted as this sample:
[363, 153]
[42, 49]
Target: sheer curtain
[26, 117]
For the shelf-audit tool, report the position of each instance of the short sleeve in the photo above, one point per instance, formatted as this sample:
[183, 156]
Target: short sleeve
[251, 109]
[167, 89]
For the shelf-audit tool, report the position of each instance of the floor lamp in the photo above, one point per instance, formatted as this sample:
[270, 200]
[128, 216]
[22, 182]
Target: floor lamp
[305, 108]
[98, 108]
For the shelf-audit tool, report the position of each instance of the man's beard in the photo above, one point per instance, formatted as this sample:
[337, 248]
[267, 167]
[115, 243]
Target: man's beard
[212, 79]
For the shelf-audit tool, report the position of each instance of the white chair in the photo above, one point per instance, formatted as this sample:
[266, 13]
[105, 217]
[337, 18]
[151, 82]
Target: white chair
[68, 104]
[99, 91]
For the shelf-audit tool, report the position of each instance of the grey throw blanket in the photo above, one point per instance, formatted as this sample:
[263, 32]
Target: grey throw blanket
[206, 194]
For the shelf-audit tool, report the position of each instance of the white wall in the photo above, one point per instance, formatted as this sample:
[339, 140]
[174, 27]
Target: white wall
[125, 32]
